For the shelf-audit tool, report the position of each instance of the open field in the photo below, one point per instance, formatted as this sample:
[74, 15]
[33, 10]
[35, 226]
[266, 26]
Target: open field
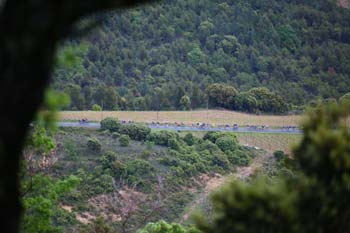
[215, 117]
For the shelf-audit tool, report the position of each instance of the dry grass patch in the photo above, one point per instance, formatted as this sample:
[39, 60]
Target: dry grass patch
[216, 117]
[269, 142]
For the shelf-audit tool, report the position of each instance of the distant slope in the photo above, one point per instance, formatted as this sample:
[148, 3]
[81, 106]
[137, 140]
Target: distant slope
[299, 49]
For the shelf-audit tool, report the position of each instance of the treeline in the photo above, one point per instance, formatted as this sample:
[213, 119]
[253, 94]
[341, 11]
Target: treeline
[165, 56]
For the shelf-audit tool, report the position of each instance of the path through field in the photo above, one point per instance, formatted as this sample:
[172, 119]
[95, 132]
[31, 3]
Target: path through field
[217, 181]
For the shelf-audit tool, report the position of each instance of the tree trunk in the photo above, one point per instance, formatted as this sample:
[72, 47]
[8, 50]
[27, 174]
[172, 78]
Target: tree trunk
[29, 33]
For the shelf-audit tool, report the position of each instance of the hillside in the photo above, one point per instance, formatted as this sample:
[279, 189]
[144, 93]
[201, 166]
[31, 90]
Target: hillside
[128, 185]
[165, 56]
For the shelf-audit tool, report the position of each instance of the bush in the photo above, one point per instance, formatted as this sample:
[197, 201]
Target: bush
[162, 137]
[138, 171]
[149, 145]
[209, 146]
[227, 143]
[111, 124]
[146, 154]
[94, 144]
[107, 160]
[279, 155]
[115, 135]
[135, 132]
[238, 158]
[96, 108]
[124, 140]
[220, 159]
[163, 227]
[213, 136]
[190, 139]
[173, 144]
[70, 151]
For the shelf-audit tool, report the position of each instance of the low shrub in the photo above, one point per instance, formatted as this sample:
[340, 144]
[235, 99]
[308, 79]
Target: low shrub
[189, 139]
[227, 143]
[115, 135]
[111, 124]
[124, 140]
[146, 154]
[238, 158]
[213, 136]
[279, 155]
[135, 131]
[162, 137]
[220, 160]
[70, 151]
[173, 144]
[149, 145]
[107, 160]
[94, 144]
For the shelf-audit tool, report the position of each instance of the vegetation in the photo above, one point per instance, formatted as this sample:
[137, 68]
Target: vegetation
[178, 55]
[94, 144]
[124, 140]
[142, 179]
[111, 124]
[313, 200]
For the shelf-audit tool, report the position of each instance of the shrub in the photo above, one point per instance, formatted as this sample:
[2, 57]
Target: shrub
[279, 155]
[162, 137]
[190, 139]
[163, 227]
[94, 144]
[115, 135]
[124, 140]
[107, 160]
[238, 158]
[96, 108]
[173, 144]
[149, 145]
[209, 146]
[220, 159]
[70, 151]
[227, 143]
[111, 124]
[138, 171]
[146, 154]
[135, 131]
[213, 136]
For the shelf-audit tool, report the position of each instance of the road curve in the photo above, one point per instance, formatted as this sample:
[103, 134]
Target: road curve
[94, 125]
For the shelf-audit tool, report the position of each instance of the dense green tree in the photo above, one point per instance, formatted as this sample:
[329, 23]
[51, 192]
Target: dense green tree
[268, 101]
[221, 95]
[185, 102]
[315, 200]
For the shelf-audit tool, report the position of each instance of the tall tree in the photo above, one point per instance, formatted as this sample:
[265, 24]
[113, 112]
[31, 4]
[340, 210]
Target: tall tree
[30, 33]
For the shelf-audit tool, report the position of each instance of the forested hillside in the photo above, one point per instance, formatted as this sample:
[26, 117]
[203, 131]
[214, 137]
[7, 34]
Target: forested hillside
[167, 56]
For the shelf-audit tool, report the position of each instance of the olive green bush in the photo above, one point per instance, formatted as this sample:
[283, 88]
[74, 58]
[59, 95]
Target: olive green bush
[135, 131]
[227, 143]
[124, 140]
[162, 137]
[111, 124]
[189, 139]
[94, 144]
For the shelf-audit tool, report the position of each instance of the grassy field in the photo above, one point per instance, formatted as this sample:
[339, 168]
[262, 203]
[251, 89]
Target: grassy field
[215, 117]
